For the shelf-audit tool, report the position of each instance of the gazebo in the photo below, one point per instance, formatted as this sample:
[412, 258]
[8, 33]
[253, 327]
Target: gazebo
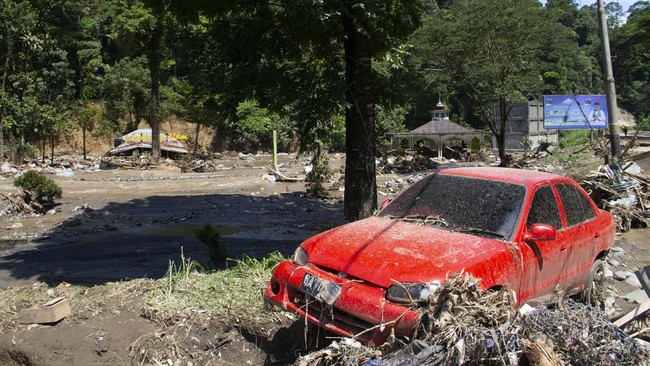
[438, 134]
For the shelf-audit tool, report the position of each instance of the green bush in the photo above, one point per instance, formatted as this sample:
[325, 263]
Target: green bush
[211, 238]
[37, 187]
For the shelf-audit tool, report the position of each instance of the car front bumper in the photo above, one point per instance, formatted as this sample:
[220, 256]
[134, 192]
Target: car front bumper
[360, 311]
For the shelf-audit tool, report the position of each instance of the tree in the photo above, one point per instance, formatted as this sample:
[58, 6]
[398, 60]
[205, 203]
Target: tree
[17, 21]
[631, 46]
[141, 26]
[487, 60]
[295, 53]
[125, 86]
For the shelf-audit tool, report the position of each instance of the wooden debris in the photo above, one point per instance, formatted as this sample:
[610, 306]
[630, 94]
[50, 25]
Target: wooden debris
[635, 313]
[283, 178]
[539, 352]
[50, 312]
[624, 194]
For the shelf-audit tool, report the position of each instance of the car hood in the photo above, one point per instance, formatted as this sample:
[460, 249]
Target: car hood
[381, 251]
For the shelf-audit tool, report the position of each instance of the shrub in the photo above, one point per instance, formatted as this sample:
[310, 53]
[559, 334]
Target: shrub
[211, 238]
[37, 187]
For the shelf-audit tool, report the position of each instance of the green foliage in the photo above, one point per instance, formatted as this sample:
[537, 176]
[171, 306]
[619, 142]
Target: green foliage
[631, 45]
[254, 126]
[572, 138]
[644, 124]
[391, 120]
[485, 60]
[212, 240]
[335, 136]
[125, 85]
[37, 187]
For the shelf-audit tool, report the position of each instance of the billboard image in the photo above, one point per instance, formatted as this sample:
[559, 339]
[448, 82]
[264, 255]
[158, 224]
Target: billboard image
[575, 112]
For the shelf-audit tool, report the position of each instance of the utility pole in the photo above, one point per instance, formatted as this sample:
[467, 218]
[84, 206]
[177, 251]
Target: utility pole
[610, 88]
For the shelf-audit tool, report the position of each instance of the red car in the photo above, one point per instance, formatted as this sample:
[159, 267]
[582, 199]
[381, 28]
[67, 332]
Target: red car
[527, 230]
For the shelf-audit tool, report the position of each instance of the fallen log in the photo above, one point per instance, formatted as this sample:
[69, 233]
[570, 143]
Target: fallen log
[283, 178]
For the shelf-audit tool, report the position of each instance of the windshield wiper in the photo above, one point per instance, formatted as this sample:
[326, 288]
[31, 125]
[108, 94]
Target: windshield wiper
[428, 220]
[475, 230]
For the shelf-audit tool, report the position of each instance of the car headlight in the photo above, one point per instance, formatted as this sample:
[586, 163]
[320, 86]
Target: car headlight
[300, 257]
[407, 293]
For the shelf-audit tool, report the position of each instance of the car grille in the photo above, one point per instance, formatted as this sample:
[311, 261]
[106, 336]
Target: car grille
[331, 315]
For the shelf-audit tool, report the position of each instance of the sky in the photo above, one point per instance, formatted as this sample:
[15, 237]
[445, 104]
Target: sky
[624, 3]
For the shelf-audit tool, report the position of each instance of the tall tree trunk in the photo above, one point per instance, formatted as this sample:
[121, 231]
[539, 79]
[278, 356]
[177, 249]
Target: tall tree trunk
[155, 57]
[196, 139]
[360, 198]
[501, 132]
[83, 139]
[52, 149]
[2, 98]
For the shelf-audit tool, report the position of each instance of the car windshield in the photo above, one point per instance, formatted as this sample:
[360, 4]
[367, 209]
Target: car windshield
[481, 207]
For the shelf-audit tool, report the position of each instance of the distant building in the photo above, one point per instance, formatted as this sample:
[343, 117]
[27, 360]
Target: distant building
[526, 124]
[438, 135]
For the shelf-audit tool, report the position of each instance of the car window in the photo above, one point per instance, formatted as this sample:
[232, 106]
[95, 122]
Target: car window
[576, 206]
[543, 209]
[461, 203]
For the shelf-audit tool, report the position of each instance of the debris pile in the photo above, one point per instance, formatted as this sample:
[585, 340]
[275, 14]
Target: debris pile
[12, 204]
[623, 191]
[462, 327]
[406, 164]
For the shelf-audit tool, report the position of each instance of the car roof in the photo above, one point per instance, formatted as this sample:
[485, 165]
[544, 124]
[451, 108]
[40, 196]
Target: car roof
[508, 175]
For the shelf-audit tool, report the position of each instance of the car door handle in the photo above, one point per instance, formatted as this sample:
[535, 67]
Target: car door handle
[596, 235]
[562, 250]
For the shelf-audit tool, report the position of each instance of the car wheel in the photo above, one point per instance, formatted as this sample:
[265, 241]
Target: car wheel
[594, 293]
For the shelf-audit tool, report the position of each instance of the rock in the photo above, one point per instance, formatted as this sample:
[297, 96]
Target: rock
[608, 273]
[617, 250]
[5, 168]
[613, 262]
[633, 168]
[51, 212]
[63, 172]
[16, 225]
[621, 275]
[637, 297]
[633, 281]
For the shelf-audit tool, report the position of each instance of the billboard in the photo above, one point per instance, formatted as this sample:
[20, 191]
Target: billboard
[575, 112]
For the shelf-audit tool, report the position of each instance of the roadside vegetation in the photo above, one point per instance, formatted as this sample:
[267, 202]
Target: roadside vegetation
[186, 290]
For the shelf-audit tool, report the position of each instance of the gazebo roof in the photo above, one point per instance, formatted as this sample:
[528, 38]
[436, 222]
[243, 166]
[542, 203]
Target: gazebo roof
[441, 127]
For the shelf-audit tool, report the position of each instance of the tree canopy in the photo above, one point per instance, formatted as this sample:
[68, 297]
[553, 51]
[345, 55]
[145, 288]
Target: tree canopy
[333, 74]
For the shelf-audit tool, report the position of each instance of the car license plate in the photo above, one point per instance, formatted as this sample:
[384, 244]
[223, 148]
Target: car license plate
[323, 290]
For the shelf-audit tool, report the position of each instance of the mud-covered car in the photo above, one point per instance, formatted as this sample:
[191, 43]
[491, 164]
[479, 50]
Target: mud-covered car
[533, 232]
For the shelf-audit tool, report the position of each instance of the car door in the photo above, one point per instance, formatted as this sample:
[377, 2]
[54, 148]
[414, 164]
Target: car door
[581, 233]
[544, 262]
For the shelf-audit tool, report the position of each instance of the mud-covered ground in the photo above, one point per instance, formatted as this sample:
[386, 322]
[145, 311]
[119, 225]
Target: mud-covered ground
[119, 224]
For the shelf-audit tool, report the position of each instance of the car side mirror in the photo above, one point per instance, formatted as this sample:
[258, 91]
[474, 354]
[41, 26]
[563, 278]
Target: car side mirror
[385, 203]
[540, 232]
